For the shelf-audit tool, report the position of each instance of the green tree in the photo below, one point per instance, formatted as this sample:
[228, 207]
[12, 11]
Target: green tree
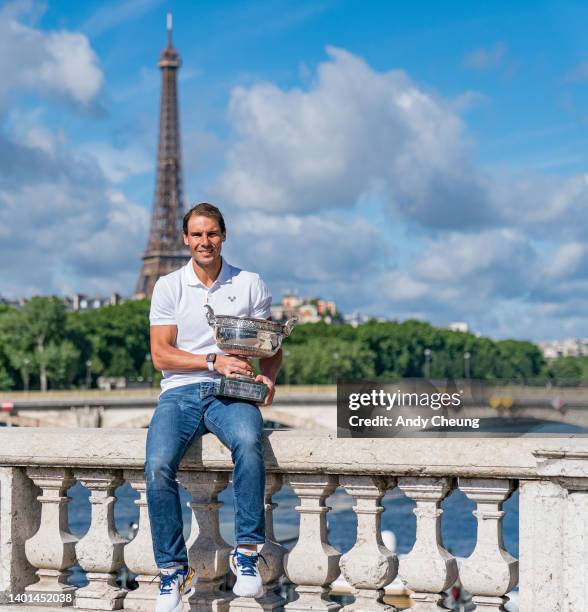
[517, 360]
[117, 337]
[29, 332]
[121, 363]
[8, 373]
[322, 361]
[63, 360]
[566, 371]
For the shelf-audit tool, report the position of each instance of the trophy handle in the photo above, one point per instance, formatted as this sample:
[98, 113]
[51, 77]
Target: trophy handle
[210, 315]
[289, 326]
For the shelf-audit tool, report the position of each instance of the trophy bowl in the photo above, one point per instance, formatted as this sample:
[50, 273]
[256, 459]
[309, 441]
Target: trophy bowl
[247, 337]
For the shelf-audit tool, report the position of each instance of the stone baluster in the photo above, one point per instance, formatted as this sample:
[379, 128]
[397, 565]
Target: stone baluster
[575, 544]
[312, 564]
[207, 551]
[369, 566]
[100, 551]
[542, 523]
[138, 553]
[52, 548]
[272, 569]
[428, 569]
[20, 517]
[489, 572]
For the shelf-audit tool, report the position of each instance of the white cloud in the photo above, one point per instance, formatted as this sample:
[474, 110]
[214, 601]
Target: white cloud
[354, 129]
[466, 258]
[63, 226]
[312, 251]
[545, 206]
[462, 273]
[472, 240]
[59, 62]
[26, 128]
[568, 259]
[117, 163]
[68, 234]
[71, 66]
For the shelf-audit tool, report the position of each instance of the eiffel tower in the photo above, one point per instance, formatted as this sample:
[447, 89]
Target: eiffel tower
[165, 250]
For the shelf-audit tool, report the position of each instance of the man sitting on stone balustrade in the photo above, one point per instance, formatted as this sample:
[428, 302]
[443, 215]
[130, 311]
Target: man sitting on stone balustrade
[183, 347]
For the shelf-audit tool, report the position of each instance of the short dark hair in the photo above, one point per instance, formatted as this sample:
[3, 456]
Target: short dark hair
[204, 209]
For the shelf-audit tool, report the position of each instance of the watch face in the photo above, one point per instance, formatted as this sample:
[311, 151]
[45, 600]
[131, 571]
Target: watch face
[211, 357]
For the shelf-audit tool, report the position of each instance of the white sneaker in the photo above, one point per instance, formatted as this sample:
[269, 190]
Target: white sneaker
[243, 562]
[172, 587]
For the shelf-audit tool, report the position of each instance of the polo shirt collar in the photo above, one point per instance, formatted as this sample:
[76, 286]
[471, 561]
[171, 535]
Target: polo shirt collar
[223, 277]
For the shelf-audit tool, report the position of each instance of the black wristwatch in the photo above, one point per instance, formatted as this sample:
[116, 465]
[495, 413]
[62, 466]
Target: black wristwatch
[210, 359]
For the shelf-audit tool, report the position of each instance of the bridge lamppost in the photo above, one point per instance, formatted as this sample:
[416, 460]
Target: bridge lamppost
[25, 372]
[336, 368]
[427, 354]
[466, 364]
[287, 367]
[88, 373]
[149, 368]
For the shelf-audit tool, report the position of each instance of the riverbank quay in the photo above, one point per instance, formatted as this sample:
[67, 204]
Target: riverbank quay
[299, 407]
[37, 466]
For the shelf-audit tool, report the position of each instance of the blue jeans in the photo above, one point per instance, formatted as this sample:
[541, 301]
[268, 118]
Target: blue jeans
[182, 416]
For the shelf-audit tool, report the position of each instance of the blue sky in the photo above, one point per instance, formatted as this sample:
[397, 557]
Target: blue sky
[416, 159]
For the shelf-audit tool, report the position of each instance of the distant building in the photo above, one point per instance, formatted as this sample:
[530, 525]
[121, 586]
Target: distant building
[79, 301]
[569, 347]
[459, 326]
[355, 319]
[290, 304]
[13, 303]
[308, 313]
[307, 310]
[326, 308]
[74, 303]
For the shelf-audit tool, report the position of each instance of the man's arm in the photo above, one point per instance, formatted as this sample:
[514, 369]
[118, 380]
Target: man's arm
[166, 356]
[270, 366]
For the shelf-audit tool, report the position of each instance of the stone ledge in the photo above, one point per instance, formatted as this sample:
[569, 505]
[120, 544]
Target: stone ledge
[300, 451]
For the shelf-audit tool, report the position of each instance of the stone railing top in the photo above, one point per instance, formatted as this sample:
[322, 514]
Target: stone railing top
[310, 452]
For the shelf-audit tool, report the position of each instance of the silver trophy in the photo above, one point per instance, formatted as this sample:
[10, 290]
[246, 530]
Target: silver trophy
[247, 337]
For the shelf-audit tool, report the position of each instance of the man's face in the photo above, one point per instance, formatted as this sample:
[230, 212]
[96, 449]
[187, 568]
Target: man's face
[204, 239]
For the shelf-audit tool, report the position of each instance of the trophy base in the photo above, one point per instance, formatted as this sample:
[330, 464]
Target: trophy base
[243, 388]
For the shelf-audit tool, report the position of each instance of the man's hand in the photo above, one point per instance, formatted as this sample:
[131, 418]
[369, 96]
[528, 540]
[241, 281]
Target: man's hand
[232, 366]
[271, 388]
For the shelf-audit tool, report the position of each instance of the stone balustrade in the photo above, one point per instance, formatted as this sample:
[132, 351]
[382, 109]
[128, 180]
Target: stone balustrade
[37, 466]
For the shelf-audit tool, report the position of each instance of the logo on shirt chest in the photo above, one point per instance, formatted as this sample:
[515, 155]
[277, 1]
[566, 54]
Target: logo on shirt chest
[232, 298]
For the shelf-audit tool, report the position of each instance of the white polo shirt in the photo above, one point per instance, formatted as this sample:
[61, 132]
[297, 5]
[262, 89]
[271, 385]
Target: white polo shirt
[178, 299]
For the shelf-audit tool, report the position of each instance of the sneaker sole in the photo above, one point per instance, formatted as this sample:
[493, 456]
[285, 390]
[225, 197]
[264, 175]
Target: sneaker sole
[254, 595]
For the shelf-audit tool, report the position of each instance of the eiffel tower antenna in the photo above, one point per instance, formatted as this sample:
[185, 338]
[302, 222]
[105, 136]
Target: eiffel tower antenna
[170, 28]
[165, 250]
